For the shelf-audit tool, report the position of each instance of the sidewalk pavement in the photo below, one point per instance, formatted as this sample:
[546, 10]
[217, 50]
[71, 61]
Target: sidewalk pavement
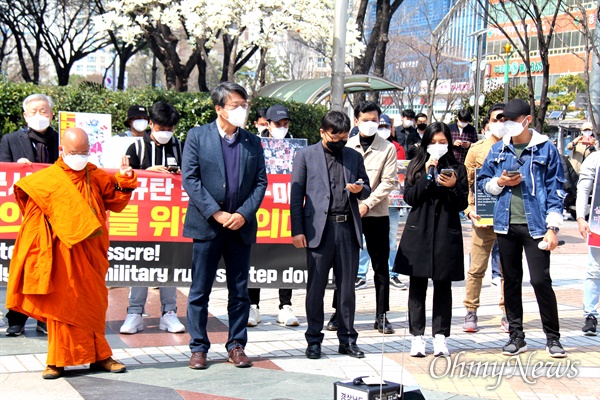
[157, 361]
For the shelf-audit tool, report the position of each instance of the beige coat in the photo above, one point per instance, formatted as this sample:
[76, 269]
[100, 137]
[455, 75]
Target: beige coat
[380, 163]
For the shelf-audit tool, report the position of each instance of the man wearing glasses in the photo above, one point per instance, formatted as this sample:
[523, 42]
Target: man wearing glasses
[330, 230]
[36, 143]
[224, 175]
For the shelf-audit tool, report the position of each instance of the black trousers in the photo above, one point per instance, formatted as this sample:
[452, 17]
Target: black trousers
[511, 247]
[285, 297]
[16, 318]
[377, 231]
[338, 249]
[442, 306]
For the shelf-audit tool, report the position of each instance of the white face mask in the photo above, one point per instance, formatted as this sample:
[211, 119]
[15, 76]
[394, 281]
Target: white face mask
[384, 133]
[587, 133]
[462, 124]
[407, 123]
[437, 151]
[38, 122]
[497, 129]
[513, 128]
[139, 125]
[279, 133]
[237, 117]
[162, 137]
[76, 162]
[487, 134]
[368, 128]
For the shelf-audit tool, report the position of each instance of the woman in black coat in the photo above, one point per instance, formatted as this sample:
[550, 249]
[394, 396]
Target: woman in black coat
[431, 246]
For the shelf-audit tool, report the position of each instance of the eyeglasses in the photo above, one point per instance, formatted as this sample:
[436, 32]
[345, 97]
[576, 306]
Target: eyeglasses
[78, 153]
[233, 106]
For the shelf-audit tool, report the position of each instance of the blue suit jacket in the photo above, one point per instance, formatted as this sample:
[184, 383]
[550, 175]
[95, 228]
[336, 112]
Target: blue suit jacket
[310, 193]
[203, 171]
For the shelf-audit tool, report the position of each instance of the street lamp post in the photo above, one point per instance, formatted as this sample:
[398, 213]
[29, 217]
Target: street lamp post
[480, 34]
[338, 56]
[507, 51]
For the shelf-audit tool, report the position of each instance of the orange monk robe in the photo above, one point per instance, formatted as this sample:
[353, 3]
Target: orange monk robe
[57, 272]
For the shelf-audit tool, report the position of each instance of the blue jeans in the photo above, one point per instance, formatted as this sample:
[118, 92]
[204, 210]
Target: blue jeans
[394, 222]
[206, 254]
[139, 294]
[363, 258]
[591, 284]
[496, 261]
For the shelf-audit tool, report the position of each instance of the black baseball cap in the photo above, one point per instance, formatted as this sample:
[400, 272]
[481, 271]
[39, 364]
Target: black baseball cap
[277, 112]
[514, 109]
[135, 112]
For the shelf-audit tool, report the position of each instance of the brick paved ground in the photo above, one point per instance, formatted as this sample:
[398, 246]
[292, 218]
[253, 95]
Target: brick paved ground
[157, 361]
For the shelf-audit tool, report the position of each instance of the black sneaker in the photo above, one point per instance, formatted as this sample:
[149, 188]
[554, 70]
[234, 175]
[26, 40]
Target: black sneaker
[589, 327]
[41, 327]
[15, 330]
[397, 283]
[555, 349]
[360, 283]
[515, 345]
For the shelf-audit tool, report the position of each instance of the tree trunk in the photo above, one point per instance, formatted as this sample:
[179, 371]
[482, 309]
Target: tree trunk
[227, 50]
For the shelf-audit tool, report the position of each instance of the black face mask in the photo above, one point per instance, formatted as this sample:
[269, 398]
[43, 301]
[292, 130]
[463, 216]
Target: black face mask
[336, 147]
[421, 127]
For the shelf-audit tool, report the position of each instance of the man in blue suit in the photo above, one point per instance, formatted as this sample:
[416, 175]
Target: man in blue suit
[327, 180]
[224, 175]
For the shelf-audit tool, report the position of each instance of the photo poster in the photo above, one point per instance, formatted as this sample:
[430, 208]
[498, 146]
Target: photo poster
[594, 220]
[396, 196]
[279, 154]
[484, 204]
[97, 126]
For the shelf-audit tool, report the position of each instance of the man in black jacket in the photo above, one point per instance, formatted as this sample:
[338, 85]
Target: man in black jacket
[36, 143]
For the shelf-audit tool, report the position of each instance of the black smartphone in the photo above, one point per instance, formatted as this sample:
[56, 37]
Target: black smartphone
[172, 168]
[447, 171]
[512, 173]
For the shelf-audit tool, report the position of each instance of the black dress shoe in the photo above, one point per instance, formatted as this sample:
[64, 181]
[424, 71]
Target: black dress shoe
[351, 349]
[313, 351]
[383, 325]
[15, 330]
[332, 325]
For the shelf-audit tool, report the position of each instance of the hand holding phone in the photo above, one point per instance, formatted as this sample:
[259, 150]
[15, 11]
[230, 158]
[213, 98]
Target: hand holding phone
[510, 174]
[359, 182]
[447, 171]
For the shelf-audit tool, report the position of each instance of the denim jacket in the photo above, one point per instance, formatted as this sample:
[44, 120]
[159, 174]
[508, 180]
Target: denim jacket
[542, 185]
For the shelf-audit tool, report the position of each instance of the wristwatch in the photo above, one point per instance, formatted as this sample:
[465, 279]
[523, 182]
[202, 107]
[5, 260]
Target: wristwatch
[554, 228]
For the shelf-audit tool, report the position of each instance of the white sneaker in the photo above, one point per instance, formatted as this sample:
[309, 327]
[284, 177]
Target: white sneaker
[170, 323]
[254, 316]
[439, 346]
[133, 323]
[417, 349]
[286, 316]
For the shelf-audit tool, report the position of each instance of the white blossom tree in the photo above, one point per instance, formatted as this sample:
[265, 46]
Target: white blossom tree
[182, 34]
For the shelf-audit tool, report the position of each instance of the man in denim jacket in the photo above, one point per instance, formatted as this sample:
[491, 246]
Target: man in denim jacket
[525, 173]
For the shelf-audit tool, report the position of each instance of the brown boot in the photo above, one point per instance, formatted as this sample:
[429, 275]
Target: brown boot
[52, 372]
[108, 365]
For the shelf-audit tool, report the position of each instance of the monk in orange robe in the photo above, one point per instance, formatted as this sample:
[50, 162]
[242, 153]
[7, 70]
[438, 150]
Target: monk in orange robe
[59, 263]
